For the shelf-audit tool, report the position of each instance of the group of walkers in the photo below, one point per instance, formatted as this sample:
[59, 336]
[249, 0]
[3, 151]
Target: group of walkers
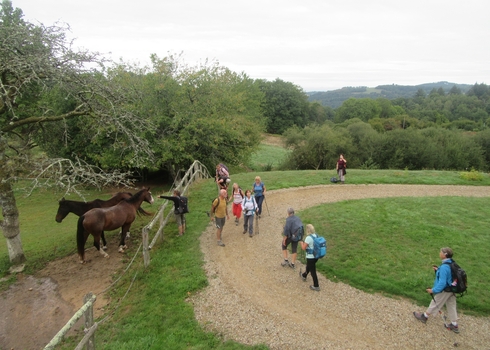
[249, 203]
[243, 202]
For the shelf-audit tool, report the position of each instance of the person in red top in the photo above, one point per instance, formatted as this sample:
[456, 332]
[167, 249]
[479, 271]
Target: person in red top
[340, 167]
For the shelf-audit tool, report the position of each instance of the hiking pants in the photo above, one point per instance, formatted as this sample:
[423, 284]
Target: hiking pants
[442, 298]
[259, 200]
[248, 223]
[311, 268]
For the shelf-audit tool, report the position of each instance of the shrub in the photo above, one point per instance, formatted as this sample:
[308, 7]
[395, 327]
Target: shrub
[471, 175]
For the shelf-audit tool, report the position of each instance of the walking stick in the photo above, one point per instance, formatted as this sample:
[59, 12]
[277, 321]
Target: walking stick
[268, 212]
[256, 223]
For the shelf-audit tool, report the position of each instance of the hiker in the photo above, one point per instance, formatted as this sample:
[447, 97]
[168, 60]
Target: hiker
[340, 167]
[219, 213]
[222, 176]
[258, 188]
[293, 224]
[439, 296]
[307, 245]
[237, 198]
[179, 218]
[249, 207]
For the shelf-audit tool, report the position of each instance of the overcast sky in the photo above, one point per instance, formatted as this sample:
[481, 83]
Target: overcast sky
[318, 45]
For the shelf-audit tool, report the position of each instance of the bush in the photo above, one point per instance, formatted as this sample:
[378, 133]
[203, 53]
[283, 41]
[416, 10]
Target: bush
[471, 175]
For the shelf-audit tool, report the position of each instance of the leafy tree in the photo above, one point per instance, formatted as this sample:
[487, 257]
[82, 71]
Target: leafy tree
[364, 109]
[37, 67]
[365, 141]
[284, 105]
[208, 102]
[317, 147]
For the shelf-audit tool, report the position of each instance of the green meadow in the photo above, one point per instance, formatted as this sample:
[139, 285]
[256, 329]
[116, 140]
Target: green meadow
[380, 246]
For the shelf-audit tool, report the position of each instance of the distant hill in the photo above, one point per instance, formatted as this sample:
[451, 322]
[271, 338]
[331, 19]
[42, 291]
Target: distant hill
[335, 98]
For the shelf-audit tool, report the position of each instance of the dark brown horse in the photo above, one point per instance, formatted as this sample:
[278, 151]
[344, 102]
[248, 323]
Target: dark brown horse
[79, 208]
[98, 220]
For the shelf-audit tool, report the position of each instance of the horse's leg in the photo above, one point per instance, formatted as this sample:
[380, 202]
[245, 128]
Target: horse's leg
[97, 245]
[128, 234]
[122, 243]
[104, 242]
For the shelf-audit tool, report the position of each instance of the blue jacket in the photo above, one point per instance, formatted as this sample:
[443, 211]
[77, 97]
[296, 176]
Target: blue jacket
[443, 277]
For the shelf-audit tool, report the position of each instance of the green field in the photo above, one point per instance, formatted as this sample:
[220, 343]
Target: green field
[385, 247]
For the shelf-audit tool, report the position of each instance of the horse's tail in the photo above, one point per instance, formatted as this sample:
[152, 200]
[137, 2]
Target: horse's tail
[81, 236]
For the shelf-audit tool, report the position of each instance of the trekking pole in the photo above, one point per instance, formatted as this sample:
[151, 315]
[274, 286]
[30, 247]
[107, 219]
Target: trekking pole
[268, 212]
[257, 223]
[440, 311]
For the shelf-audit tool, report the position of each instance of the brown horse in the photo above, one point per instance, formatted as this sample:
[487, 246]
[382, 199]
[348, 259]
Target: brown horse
[98, 220]
[79, 208]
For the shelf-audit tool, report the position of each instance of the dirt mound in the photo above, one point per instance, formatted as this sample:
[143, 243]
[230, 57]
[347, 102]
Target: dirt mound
[35, 308]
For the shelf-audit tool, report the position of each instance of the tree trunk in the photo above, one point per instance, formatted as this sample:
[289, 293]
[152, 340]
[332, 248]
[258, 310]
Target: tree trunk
[10, 223]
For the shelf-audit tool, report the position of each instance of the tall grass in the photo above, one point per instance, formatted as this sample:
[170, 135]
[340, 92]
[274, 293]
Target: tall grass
[377, 245]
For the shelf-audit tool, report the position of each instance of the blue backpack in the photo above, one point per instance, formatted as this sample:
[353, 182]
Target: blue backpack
[319, 246]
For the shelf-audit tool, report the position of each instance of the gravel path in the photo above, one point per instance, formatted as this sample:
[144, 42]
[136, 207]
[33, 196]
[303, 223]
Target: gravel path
[253, 300]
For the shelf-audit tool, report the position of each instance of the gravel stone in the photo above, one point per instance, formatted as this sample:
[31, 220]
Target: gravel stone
[253, 300]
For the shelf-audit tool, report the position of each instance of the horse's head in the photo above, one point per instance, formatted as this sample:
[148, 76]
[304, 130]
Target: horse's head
[148, 197]
[63, 210]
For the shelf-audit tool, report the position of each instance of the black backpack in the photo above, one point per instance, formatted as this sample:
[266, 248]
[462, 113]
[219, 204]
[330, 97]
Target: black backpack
[298, 234]
[460, 280]
[183, 208]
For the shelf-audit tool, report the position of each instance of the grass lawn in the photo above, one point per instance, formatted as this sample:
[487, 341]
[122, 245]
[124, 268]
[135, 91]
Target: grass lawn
[379, 245]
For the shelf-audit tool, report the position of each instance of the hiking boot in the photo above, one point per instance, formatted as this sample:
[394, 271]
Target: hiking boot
[420, 316]
[291, 265]
[250, 236]
[221, 244]
[285, 263]
[301, 275]
[245, 231]
[453, 328]
[316, 289]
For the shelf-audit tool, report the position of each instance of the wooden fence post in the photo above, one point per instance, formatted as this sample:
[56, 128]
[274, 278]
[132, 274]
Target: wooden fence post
[89, 304]
[89, 321]
[146, 254]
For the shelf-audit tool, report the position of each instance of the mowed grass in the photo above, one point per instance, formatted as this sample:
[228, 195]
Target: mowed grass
[377, 245]
[268, 158]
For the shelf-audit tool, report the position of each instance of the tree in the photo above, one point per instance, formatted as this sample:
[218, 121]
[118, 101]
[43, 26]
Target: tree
[285, 105]
[363, 108]
[38, 69]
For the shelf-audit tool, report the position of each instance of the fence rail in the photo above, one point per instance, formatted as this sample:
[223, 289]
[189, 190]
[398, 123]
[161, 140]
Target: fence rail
[86, 310]
[195, 172]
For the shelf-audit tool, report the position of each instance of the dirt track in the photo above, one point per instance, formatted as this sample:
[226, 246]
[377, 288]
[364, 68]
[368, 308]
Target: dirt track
[253, 300]
[250, 295]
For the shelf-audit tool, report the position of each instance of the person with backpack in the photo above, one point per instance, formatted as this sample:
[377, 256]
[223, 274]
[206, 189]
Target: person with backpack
[219, 214]
[179, 212]
[340, 167]
[440, 296]
[249, 207]
[292, 234]
[237, 198]
[258, 188]
[222, 176]
[308, 245]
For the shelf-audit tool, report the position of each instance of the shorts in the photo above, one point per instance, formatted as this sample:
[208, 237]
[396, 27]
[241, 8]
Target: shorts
[219, 222]
[180, 219]
[294, 245]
